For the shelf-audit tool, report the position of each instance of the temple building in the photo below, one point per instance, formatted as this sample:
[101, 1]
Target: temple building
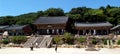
[16, 30]
[99, 28]
[116, 29]
[2, 29]
[51, 25]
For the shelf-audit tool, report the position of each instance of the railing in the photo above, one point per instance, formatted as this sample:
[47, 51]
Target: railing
[29, 41]
[50, 41]
[47, 40]
[42, 42]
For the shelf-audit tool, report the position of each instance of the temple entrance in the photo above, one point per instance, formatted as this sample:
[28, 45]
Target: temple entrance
[93, 32]
[50, 31]
[81, 32]
[87, 32]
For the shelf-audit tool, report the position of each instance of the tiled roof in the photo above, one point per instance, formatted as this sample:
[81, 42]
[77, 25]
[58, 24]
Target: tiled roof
[3, 27]
[115, 27]
[80, 24]
[15, 27]
[51, 20]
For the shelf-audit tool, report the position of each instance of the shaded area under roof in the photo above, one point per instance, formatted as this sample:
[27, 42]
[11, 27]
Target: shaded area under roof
[51, 20]
[15, 27]
[98, 24]
[115, 27]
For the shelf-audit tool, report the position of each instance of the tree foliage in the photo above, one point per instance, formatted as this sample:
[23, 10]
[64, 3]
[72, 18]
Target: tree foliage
[118, 42]
[57, 39]
[5, 41]
[54, 12]
[80, 14]
[105, 41]
[95, 41]
[81, 39]
[18, 39]
[68, 38]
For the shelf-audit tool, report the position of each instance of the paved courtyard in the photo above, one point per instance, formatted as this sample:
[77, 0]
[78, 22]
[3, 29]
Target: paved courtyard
[60, 51]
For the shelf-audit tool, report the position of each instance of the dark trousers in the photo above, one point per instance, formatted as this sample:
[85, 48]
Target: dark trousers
[31, 48]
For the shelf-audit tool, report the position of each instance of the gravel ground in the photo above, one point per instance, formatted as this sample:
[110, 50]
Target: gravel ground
[59, 51]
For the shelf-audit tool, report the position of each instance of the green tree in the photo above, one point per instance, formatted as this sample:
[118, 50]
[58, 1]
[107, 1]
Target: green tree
[57, 39]
[40, 13]
[115, 13]
[79, 10]
[7, 20]
[95, 15]
[54, 12]
[69, 38]
[108, 7]
[81, 14]
[111, 20]
[76, 17]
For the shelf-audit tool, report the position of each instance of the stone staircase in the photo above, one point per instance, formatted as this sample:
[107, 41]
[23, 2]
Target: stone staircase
[39, 40]
[29, 42]
[45, 42]
[42, 41]
[50, 42]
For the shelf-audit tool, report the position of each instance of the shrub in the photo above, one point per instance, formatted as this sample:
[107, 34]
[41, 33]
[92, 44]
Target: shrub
[5, 41]
[68, 38]
[81, 39]
[105, 41]
[18, 39]
[94, 41]
[118, 42]
[1, 41]
[57, 39]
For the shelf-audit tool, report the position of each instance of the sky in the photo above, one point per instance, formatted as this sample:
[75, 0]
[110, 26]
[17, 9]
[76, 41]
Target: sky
[17, 7]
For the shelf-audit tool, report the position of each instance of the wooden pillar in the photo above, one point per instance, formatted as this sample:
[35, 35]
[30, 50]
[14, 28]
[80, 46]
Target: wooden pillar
[89, 32]
[12, 33]
[47, 31]
[57, 31]
[62, 31]
[101, 32]
[117, 31]
[53, 31]
[94, 32]
[78, 32]
[107, 31]
[83, 32]
[16, 33]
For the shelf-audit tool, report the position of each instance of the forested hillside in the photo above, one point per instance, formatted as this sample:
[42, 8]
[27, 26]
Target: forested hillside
[81, 14]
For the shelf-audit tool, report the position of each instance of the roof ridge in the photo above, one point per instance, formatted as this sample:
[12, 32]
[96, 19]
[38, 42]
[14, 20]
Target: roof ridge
[52, 16]
[91, 22]
[51, 20]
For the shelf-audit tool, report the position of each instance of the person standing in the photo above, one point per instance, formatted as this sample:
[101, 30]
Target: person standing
[36, 44]
[56, 48]
[21, 45]
[31, 47]
[46, 43]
